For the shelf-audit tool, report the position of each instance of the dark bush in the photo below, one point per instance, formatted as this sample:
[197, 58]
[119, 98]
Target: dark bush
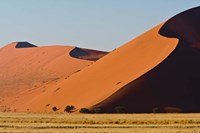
[120, 109]
[69, 108]
[84, 110]
[54, 108]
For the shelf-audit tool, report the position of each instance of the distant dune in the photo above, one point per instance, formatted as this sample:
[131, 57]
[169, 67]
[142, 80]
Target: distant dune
[25, 68]
[157, 71]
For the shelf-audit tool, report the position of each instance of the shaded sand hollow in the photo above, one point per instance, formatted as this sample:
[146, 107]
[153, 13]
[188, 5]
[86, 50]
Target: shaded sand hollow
[160, 68]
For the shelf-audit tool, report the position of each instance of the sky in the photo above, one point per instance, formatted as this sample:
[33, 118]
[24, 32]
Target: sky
[96, 24]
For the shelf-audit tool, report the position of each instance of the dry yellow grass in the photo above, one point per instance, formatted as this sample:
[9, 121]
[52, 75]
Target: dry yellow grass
[99, 123]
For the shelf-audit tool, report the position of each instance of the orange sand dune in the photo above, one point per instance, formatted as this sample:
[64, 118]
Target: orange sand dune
[100, 80]
[172, 85]
[158, 69]
[25, 67]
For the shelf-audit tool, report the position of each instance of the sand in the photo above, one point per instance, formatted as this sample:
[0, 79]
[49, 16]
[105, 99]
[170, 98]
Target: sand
[28, 68]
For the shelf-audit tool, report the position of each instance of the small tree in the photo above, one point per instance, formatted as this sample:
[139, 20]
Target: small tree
[120, 109]
[54, 108]
[69, 108]
[84, 110]
[97, 110]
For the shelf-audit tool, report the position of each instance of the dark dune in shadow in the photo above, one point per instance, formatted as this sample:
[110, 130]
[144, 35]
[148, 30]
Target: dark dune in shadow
[24, 45]
[185, 27]
[172, 84]
[87, 54]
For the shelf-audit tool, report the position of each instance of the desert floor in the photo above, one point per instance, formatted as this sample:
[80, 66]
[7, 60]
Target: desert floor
[112, 123]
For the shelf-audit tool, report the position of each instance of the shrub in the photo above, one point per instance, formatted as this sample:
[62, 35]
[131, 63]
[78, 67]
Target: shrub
[98, 110]
[120, 109]
[69, 108]
[54, 108]
[84, 110]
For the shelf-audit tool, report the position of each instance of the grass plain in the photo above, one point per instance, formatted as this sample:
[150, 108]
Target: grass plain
[99, 123]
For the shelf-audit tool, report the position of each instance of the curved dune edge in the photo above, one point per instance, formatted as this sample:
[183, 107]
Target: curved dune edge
[97, 82]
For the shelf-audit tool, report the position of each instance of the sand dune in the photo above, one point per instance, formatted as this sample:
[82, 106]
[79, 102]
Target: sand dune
[174, 82]
[25, 67]
[158, 69]
[100, 80]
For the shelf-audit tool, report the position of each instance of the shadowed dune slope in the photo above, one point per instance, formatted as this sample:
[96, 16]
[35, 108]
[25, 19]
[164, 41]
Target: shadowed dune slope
[87, 54]
[24, 45]
[173, 83]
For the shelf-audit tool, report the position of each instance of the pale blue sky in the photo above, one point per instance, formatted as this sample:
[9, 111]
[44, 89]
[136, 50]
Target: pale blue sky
[96, 24]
